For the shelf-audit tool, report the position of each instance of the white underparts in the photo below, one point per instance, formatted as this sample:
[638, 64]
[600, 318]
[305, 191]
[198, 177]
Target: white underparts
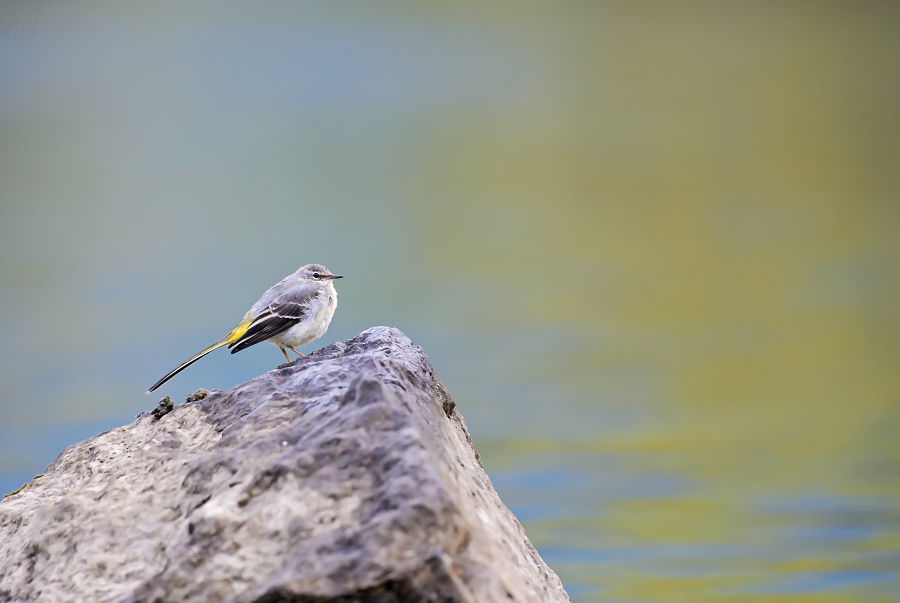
[314, 325]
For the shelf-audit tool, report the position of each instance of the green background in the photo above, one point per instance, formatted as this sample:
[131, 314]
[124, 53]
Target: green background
[652, 249]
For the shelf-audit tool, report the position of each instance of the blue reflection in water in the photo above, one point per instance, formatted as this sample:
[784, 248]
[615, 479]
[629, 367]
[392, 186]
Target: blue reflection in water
[832, 533]
[827, 581]
[565, 501]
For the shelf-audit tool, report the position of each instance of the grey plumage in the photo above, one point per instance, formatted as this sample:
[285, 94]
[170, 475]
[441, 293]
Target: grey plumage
[285, 311]
[293, 312]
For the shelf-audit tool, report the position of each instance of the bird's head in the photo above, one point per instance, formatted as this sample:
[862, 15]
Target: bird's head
[317, 272]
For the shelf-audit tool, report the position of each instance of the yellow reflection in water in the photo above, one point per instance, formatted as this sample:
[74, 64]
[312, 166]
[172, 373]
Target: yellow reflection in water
[708, 195]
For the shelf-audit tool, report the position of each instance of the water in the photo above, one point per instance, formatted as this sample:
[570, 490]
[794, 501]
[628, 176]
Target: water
[652, 251]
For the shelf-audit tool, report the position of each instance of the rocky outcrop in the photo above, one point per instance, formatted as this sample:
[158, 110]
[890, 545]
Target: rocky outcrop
[347, 475]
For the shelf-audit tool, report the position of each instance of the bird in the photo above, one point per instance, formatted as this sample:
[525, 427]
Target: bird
[291, 313]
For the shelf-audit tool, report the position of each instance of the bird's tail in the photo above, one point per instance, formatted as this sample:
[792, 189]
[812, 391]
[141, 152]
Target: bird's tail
[235, 334]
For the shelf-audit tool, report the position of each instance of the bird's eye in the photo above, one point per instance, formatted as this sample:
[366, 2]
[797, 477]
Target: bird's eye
[316, 275]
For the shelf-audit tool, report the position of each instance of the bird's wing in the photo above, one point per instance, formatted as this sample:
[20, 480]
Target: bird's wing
[284, 312]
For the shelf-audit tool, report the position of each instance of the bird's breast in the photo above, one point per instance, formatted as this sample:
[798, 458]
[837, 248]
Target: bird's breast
[314, 325]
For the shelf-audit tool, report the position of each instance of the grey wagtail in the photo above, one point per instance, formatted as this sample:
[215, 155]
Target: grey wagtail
[293, 312]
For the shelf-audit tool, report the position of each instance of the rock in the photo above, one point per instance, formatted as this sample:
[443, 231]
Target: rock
[348, 475]
[164, 407]
[198, 395]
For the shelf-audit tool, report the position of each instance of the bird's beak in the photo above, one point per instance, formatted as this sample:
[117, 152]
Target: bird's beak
[334, 276]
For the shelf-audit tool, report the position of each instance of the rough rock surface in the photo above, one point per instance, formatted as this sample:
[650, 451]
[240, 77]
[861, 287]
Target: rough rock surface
[347, 475]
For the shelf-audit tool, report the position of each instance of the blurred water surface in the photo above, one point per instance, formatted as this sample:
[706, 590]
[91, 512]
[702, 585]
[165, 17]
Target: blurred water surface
[653, 250]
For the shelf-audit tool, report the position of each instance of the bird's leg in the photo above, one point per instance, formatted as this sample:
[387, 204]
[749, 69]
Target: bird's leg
[294, 351]
[285, 353]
